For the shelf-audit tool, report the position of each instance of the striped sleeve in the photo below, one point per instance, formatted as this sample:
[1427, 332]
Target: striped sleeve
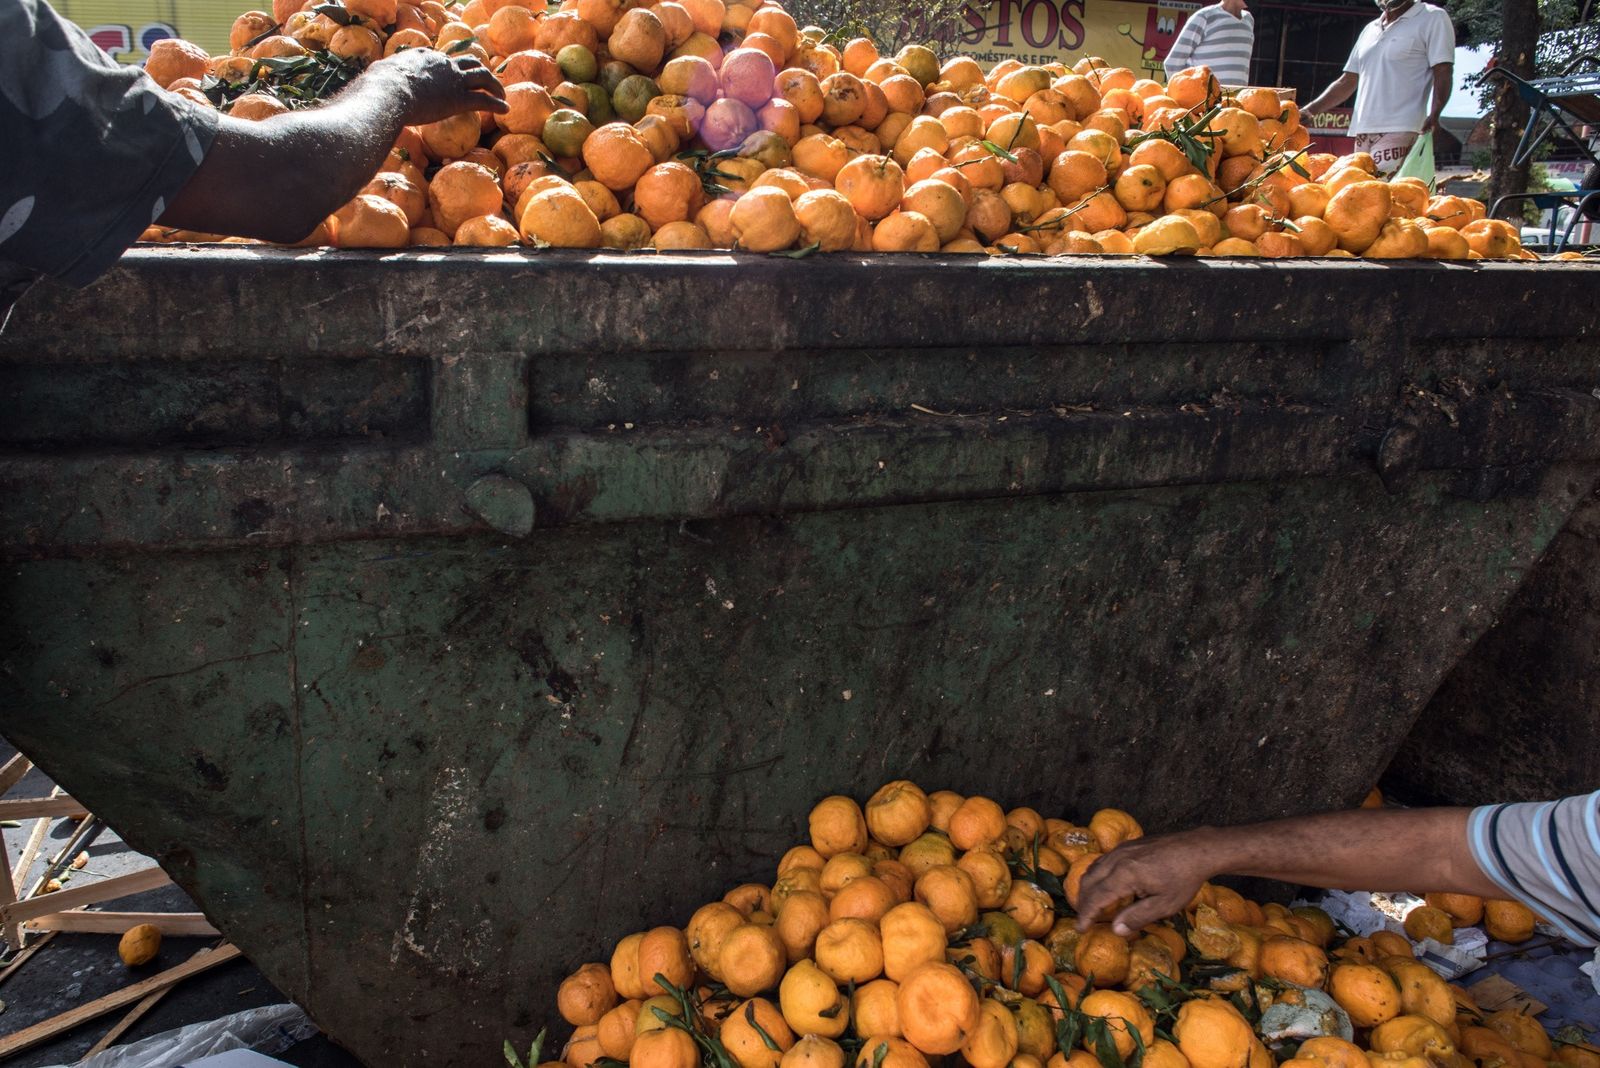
[1182, 50]
[1546, 855]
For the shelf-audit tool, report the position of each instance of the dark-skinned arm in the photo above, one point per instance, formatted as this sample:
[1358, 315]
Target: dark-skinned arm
[1341, 89]
[1444, 80]
[277, 179]
[1423, 849]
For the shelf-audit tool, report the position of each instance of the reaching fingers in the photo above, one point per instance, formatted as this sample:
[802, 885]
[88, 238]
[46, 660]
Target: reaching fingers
[1143, 912]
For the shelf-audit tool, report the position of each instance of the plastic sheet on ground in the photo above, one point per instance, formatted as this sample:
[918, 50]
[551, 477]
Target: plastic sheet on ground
[269, 1029]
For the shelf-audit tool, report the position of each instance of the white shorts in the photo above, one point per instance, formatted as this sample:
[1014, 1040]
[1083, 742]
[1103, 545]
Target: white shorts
[1388, 150]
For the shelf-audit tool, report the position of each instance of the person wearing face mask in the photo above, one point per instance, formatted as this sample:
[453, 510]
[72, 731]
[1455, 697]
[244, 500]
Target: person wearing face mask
[1400, 71]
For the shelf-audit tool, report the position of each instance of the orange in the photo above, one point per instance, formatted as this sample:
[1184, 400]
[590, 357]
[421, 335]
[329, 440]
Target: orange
[1464, 910]
[370, 221]
[1402, 239]
[1102, 956]
[1294, 960]
[1422, 992]
[828, 221]
[172, 58]
[889, 1052]
[1492, 238]
[923, 131]
[668, 192]
[1521, 1030]
[618, 1028]
[1163, 1054]
[1125, 1016]
[938, 1009]
[1031, 907]
[664, 951]
[1149, 960]
[1329, 1052]
[1028, 977]
[704, 934]
[1389, 944]
[584, 1047]
[667, 1047]
[803, 916]
[1508, 921]
[748, 1027]
[1139, 188]
[866, 898]
[1484, 1045]
[749, 898]
[639, 39]
[487, 231]
[929, 850]
[842, 868]
[873, 1009]
[1357, 213]
[811, 1002]
[850, 951]
[978, 820]
[1212, 1034]
[874, 185]
[911, 936]
[460, 191]
[993, 1042]
[409, 196]
[752, 959]
[844, 98]
[1424, 921]
[901, 879]
[764, 221]
[586, 995]
[1366, 992]
[617, 155]
[814, 1051]
[942, 804]
[836, 823]
[990, 875]
[949, 892]
[1165, 237]
[1415, 1035]
[801, 856]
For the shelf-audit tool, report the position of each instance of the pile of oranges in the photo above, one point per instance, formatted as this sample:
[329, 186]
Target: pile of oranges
[928, 926]
[695, 124]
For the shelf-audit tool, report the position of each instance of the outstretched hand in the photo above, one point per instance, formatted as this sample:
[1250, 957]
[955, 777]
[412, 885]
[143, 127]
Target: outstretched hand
[439, 86]
[1159, 876]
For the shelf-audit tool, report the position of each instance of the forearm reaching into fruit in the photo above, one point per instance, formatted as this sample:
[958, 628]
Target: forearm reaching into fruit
[1342, 89]
[277, 179]
[1423, 849]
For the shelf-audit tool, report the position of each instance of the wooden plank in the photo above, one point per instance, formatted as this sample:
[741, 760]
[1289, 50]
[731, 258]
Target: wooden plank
[45, 1030]
[63, 900]
[29, 807]
[22, 958]
[14, 771]
[8, 895]
[120, 1028]
[172, 924]
[31, 851]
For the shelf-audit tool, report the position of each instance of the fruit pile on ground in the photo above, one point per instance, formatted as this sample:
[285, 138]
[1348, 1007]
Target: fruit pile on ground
[695, 124]
[929, 927]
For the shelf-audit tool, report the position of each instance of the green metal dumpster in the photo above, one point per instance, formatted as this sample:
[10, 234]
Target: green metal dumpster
[438, 618]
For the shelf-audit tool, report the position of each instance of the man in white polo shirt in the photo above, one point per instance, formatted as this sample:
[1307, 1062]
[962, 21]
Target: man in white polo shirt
[1400, 70]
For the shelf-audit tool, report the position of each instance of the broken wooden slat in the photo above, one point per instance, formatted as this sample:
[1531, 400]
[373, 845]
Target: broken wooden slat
[63, 900]
[22, 958]
[120, 1028]
[45, 1030]
[13, 772]
[30, 807]
[172, 924]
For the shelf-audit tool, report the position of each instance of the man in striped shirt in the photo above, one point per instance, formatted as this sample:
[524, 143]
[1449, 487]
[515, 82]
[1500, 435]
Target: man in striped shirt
[1543, 854]
[1221, 37]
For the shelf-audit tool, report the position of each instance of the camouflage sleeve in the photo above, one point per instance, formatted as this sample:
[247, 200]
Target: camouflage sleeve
[94, 150]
